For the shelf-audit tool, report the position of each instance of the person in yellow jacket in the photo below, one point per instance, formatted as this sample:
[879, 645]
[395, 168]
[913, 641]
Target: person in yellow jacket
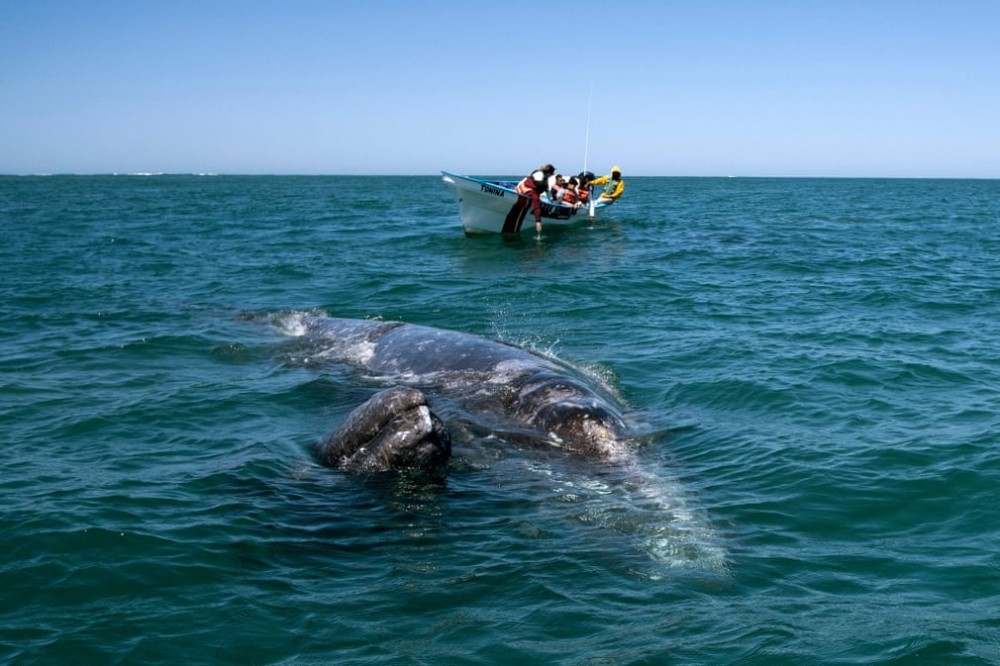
[613, 185]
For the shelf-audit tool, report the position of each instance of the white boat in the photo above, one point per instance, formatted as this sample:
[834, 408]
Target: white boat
[492, 206]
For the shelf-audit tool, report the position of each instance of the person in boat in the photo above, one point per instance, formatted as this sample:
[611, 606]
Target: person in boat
[570, 194]
[613, 185]
[557, 184]
[532, 186]
[583, 191]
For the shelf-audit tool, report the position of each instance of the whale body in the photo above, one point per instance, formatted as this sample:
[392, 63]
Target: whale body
[437, 389]
[527, 398]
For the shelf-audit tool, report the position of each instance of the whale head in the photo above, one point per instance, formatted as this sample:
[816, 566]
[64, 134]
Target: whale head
[583, 426]
[571, 416]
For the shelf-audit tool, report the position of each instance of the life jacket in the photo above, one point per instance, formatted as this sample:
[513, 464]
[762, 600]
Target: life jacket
[613, 188]
[570, 197]
[536, 182]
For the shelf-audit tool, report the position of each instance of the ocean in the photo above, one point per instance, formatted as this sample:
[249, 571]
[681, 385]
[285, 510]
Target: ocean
[810, 369]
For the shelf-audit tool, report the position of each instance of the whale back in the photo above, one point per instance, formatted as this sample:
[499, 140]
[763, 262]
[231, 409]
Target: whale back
[526, 393]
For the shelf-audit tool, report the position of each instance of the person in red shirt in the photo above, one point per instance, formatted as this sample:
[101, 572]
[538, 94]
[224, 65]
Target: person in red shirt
[532, 187]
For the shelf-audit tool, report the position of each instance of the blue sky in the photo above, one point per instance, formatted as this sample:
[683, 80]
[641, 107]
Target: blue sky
[701, 87]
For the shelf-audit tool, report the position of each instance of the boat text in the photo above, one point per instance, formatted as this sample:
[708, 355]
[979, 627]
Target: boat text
[489, 189]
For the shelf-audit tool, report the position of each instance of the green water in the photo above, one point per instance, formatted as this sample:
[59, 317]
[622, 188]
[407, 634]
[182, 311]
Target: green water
[810, 368]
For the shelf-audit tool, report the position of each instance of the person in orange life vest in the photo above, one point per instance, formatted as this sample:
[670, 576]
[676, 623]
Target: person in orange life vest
[532, 187]
[556, 186]
[557, 189]
[583, 186]
[613, 185]
[570, 195]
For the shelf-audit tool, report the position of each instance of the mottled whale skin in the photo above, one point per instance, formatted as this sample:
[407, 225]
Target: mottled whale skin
[394, 429]
[527, 397]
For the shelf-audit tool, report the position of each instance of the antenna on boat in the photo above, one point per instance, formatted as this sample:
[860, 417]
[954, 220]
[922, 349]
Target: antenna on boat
[586, 148]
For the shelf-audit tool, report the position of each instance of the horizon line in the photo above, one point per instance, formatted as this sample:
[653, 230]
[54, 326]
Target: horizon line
[208, 174]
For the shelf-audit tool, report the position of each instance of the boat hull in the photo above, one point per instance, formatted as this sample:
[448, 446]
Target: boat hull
[493, 207]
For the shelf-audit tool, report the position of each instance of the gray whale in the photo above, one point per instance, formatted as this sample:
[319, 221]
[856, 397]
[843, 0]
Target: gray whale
[527, 398]
[435, 389]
